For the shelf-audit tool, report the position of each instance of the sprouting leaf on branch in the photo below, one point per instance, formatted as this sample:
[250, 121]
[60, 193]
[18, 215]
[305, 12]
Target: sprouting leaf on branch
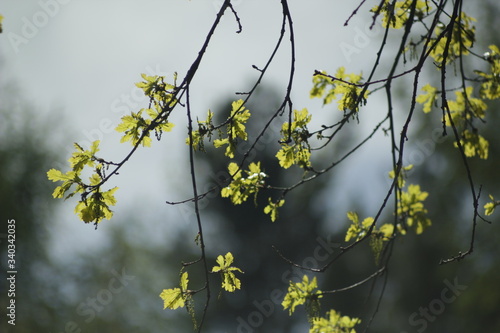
[465, 107]
[301, 293]
[397, 13]
[334, 322]
[412, 210]
[235, 128]
[176, 297]
[205, 129]
[463, 110]
[490, 87]
[358, 230]
[157, 89]
[329, 89]
[272, 208]
[366, 228]
[462, 39]
[68, 179]
[229, 280]
[295, 148]
[82, 157]
[474, 144]
[429, 98]
[94, 205]
[139, 125]
[489, 207]
[403, 173]
[241, 187]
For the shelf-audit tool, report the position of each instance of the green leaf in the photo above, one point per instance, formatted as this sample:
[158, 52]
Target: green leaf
[334, 323]
[300, 293]
[272, 208]
[96, 207]
[176, 297]
[411, 208]
[240, 189]
[489, 208]
[68, 179]
[82, 158]
[474, 144]
[294, 146]
[229, 280]
[429, 98]
[357, 230]
[345, 88]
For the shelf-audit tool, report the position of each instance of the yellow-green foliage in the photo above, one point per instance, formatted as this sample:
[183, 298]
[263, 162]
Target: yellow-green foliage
[490, 87]
[463, 110]
[294, 146]
[94, 203]
[179, 297]
[429, 98]
[334, 322]
[229, 280]
[344, 88]
[205, 128]
[240, 187]
[359, 230]
[137, 126]
[396, 13]
[489, 207]
[411, 208]
[448, 42]
[272, 208]
[462, 39]
[235, 128]
[176, 297]
[301, 292]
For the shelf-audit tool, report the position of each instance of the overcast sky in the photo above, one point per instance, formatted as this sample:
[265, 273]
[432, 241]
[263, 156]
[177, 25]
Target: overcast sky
[82, 58]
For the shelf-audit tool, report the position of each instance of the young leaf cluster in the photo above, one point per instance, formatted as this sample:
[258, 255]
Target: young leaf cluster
[397, 13]
[138, 125]
[295, 148]
[334, 322]
[240, 188]
[411, 209]
[490, 207]
[299, 293]
[176, 297]
[94, 204]
[229, 280]
[181, 296]
[343, 87]
[454, 44]
[490, 86]
[272, 208]
[235, 129]
[359, 230]
[463, 111]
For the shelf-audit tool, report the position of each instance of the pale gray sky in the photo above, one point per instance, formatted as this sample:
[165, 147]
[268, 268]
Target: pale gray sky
[83, 58]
